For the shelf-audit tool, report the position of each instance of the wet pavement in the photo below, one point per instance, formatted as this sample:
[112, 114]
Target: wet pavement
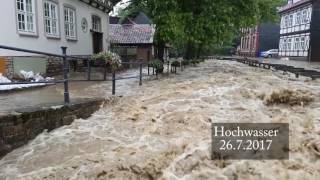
[54, 94]
[162, 130]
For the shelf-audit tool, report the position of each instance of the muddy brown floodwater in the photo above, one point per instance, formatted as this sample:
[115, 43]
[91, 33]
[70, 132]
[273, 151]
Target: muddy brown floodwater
[162, 131]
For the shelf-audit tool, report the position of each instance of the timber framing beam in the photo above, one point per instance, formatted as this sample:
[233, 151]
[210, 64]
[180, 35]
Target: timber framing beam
[103, 5]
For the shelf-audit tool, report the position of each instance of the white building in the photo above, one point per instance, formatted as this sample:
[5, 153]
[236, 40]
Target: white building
[298, 30]
[46, 25]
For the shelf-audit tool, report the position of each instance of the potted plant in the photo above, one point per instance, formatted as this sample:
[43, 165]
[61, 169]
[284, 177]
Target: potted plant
[158, 65]
[111, 59]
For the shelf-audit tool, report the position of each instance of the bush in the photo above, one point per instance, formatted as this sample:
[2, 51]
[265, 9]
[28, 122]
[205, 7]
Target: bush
[175, 64]
[157, 64]
[185, 62]
[195, 61]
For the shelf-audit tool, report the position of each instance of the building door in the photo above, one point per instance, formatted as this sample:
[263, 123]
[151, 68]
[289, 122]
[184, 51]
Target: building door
[97, 42]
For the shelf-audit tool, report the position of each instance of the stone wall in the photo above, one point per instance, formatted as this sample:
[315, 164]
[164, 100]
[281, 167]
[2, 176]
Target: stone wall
[18, 128]
[54, 66]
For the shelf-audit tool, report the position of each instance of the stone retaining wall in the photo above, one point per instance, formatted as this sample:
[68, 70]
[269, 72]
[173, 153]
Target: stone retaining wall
[18, 128]
[54, 66]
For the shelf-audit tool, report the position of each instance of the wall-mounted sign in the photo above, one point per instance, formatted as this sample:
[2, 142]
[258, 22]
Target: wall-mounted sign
[84, 25]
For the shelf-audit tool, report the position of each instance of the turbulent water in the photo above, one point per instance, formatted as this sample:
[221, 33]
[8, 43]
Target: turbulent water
[162, 131]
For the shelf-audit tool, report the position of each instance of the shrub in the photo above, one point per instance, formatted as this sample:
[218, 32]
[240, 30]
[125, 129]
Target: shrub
[185, 62]
[175, 64]
[157, 64]
[110, 58]
[194, 61]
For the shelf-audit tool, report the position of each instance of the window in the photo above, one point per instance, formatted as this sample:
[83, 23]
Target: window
[70, 23]
[302, 42]
[286, 21]
[290, 20]
[26, 16]
[298, 18]
[284, 45]
[297, 44]
[51, 19]
[306, 16]
[282, 23]
[96, 23]
[289, 47]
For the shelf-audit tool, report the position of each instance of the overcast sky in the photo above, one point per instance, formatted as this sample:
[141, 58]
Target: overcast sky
[122, 4]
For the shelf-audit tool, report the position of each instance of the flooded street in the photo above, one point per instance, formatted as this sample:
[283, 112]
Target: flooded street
[162, 130]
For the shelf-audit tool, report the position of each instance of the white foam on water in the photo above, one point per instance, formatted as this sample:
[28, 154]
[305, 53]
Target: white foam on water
[157, 127]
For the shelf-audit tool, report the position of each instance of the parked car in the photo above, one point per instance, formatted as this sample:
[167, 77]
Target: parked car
[270, 53]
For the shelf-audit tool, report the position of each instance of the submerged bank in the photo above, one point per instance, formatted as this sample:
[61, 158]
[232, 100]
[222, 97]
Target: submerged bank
[162, 130]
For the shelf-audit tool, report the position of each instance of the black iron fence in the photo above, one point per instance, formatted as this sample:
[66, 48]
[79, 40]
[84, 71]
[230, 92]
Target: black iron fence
[66, 80]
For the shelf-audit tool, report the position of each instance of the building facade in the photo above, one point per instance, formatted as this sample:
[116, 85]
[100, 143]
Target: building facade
[46, 25]
[132, 38]
[300, 30]
[259, 38]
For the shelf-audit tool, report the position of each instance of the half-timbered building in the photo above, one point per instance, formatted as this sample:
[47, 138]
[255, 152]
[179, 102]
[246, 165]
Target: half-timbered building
[299, 30]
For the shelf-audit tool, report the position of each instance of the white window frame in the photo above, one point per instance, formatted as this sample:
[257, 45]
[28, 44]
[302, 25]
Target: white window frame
[303, 43]
[285, 44]
[25, 17]
[286, 21]
[298, 18]
[290, 20]
[70, 27]
[51, 18]
[289, 44]
[96, 26]
[297, 46]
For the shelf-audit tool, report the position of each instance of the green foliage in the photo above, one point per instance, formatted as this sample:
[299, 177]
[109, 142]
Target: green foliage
[157, 64]
[175, 64]
[197, 25]
[194, 61]
[110, 58]
[185, 62]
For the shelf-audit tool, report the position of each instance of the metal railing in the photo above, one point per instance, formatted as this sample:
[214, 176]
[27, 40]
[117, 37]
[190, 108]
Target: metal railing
[66, 79]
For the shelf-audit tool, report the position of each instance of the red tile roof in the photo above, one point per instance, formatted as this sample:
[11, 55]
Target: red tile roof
[131, 34]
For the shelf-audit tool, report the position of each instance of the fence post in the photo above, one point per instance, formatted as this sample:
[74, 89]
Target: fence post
[105, 72]
[65, 75]
[89, 70]
[113, 82]
[140, 81]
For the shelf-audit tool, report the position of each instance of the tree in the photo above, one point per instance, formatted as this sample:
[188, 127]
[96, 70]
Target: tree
[202, 23]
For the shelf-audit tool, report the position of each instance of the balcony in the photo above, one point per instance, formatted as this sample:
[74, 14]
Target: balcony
[103, 5]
